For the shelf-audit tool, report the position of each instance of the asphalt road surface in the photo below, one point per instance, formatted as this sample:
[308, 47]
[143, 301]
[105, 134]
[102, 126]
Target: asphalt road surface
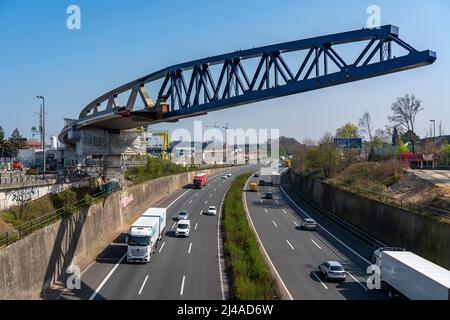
[297, 254]
[181, 268]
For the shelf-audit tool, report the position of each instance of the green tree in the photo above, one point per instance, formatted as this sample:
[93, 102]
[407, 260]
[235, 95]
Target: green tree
[323, 160]
[348, 130]
[16, 142]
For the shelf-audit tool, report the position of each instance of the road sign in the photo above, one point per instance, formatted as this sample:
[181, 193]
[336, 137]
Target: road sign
[348, 143]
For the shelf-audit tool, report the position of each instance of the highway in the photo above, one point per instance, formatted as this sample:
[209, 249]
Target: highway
[297, 254]
[181, 268]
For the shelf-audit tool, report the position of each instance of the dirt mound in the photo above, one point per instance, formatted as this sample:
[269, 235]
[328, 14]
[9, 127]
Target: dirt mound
[5, 227]
[413, 189]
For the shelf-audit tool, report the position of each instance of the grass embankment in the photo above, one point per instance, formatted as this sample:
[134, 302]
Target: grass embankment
[17, 216]
[250, 277]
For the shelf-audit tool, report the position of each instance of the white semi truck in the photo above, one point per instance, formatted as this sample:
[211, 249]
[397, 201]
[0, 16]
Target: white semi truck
[144, 235]
[406, 274]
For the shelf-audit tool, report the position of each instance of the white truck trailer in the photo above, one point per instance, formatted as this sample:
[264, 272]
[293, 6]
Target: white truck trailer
[276, 178]
[161, 214]
[144, 235]
[409, 275]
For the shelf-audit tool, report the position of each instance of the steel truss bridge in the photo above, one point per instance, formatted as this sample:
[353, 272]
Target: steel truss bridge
[241, 77]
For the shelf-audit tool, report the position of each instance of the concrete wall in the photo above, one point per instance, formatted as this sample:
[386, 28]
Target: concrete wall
[33, 191]
[35, 266]
[421, 234]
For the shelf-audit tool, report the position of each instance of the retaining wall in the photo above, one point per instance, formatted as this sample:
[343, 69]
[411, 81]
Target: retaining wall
[422, 234]
[35, 266]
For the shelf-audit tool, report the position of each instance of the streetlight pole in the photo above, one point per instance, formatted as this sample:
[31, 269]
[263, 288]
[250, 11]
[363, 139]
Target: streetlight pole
[43, 129]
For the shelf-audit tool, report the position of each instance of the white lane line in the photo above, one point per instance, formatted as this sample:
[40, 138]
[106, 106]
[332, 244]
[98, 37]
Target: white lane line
[215, 190]
[284, 211]
[210, 195]
[274, 224]
[94, 294]
[266, 210]
[201, 211]
[182, 285]
[260, 200]
[332, 235]
[162, 246]
[190, 248]
[318, 278]
[290, 245]
[357, 281]
[174, 225]
[196, 225]
[196, 195]
[206, 202]
[296, 224]
[316, 244]
[190, 201]
[276, 201]
[143, 285]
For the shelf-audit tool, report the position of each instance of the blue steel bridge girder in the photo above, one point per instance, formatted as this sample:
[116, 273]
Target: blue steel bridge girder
[192, 88]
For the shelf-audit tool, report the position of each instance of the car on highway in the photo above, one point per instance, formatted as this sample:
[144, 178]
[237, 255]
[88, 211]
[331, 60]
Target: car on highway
[212, 210]
[183, 215]
[308, 224]
[253, 187]
[183, 228]
[225, 176]
[17, 166]
[256, 175]
[268, 196]
[333, 271]
[229, 175]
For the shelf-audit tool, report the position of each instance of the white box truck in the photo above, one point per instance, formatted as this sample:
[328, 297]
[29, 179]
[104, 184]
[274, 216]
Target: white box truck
[276, 179]
[144, 235]
[161, 214]
[409, 275]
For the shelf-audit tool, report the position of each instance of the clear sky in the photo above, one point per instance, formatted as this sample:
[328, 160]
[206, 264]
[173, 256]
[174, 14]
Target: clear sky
[122, 40]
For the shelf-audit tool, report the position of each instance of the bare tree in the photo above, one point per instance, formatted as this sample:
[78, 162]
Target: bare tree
[327, 138]
[404, 112]
[365, 125]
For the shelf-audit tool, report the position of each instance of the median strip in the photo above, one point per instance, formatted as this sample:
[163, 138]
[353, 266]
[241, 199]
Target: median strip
[250, 278]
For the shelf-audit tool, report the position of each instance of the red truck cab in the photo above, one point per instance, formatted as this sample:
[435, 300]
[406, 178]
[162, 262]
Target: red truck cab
[17, 166]
[200, 180]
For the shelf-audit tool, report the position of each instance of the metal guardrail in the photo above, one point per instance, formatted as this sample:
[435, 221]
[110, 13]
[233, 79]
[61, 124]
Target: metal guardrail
[36, 224]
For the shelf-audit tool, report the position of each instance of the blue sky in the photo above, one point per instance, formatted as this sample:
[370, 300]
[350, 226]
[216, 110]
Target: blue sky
[122, 40]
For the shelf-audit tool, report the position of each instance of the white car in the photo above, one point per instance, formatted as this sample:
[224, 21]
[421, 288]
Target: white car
[212, 211]
[183, 228]
[225, 176]
[229, 175]
[333, 271]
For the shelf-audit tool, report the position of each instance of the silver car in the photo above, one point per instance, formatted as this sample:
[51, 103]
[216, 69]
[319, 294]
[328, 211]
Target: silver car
[308, 224]
[333, 271]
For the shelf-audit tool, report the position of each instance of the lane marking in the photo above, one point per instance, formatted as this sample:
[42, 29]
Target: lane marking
[206, 202]
[190, 201]
[332, 235]
[266, 210]
[94, 294]
[201, 211]
[162, 246]
[182, 285]
[215, 190]
[318, 278]
[210, 195]
[196, 225]
[275, 224]
[260, 201]
[296, 224]
[190, 248]
[357, 281]
[276, 201]
[174, 225]
[316, 244]
[143, 284]
[284, 211]
[290, 244]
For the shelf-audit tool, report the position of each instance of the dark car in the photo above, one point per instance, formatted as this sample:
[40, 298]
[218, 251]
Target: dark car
[268, 196]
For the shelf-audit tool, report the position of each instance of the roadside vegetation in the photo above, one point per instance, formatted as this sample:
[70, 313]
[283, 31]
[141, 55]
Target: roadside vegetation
[250, 277]
[153, 168]
[376, 169]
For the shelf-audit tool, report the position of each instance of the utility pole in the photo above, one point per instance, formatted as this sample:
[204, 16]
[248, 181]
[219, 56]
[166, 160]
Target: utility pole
[42, 129]
[434, 140]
